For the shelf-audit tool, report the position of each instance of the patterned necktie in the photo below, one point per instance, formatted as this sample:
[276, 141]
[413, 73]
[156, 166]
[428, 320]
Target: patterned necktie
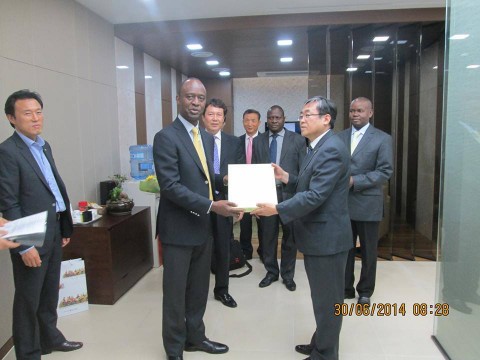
[216, 158]
[355, 141]
[249, 150]
[203, 159]
[273, 149]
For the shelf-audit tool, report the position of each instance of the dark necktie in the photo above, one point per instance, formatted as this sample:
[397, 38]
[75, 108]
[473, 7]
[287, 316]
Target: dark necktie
[273, 149]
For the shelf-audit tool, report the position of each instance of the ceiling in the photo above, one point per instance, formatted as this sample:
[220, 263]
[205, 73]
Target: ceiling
[242, 35]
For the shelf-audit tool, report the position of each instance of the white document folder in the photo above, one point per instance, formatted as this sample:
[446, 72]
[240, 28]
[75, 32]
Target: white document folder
[251, 184]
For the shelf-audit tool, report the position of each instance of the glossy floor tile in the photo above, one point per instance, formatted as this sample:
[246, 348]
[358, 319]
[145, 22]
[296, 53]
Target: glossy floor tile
[268, 322]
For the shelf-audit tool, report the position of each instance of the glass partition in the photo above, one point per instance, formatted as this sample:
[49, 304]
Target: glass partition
[400, 75]
[458, 269]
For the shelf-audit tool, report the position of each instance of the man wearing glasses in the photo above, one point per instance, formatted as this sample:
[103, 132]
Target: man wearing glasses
[286, 148]
[318, 213]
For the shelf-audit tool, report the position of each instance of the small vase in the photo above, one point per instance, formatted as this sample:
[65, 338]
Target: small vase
[120, 207]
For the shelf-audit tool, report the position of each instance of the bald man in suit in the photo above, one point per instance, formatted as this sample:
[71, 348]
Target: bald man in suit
[286, 148]
[183, 157]
[371, 167]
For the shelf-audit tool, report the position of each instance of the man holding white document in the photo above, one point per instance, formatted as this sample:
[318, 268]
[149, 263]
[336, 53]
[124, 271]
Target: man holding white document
[319, 216]
[30, 184]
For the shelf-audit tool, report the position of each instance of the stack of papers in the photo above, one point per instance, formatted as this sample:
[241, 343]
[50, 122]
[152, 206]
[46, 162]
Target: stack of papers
[29, 230]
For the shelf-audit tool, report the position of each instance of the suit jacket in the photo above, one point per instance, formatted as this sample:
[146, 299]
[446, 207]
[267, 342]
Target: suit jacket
[371, 167]
[319, 210]
[183, 217]
[24, 190]
[243, 159]
[292, 154]
[231, 153]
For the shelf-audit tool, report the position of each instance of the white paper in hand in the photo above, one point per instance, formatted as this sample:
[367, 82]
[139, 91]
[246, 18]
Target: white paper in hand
[251, 184]
[29, 230]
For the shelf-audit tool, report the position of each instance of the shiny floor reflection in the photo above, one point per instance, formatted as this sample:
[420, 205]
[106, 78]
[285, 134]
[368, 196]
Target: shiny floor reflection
[267, 323]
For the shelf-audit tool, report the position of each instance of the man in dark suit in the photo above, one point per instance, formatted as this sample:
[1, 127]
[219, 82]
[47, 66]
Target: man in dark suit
[251, 123]
[371, 167]
[286, 148]
[29, 184]
[321, 226]
[227, 150]
[183, 156]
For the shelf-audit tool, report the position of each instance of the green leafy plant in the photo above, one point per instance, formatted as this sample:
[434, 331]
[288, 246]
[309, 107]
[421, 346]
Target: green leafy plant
[117, 194]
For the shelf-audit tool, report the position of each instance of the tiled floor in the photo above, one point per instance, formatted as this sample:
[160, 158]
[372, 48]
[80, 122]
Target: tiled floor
[267, 323]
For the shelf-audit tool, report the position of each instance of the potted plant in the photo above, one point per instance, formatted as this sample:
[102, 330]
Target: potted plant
[118, 202]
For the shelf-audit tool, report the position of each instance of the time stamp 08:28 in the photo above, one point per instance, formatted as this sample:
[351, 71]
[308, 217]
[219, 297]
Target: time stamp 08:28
[391, 309]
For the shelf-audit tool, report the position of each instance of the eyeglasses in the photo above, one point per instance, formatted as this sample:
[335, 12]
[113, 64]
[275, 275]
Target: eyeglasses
[307, 116]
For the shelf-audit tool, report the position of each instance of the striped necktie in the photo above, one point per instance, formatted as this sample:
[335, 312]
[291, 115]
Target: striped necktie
[203, 159]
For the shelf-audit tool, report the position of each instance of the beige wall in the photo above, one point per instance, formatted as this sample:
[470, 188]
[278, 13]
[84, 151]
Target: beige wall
[66, 53]
[289, 92]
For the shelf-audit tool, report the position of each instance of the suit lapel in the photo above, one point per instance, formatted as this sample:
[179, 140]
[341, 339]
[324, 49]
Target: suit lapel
[223, 153]
[285, 145]
[308, 159]
[187, 142]
[25, 151]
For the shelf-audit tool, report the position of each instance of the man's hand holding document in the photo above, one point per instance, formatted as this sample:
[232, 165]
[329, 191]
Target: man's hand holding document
[251, 184]
[29, 230]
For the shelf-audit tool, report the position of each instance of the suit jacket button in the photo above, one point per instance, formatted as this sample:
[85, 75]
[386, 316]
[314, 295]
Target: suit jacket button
[206, 182]
[53, 204]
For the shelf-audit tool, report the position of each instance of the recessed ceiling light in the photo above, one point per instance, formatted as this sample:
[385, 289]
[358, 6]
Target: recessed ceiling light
[224, 73]
[284, 42]
[363, 57]
[459, 36]
[399, 42]
[212, 62]
[122, 67]
[350, 69]
[220, 69]
[435, 67]
[194, 47]
[368, 72]
[378, 58]
[201, 54]
[286, 59]
[148, 76]
[381, 38]
[473, 66]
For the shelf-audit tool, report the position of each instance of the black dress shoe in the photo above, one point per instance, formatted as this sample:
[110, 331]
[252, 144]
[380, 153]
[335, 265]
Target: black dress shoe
[304, 349]
[363, 300]
[267, 280]
[65, 346]
[290, 284]
[208, 346]
[226, 300]
[175, 357]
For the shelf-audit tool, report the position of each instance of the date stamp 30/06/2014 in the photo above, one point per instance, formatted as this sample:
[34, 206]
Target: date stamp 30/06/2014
[391, 309]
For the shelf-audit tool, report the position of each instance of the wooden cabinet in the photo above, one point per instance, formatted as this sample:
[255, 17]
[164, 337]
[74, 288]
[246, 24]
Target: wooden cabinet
[117, 251]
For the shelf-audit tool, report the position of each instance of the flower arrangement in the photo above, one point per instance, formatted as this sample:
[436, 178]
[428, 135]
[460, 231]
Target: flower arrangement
[150, 184]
